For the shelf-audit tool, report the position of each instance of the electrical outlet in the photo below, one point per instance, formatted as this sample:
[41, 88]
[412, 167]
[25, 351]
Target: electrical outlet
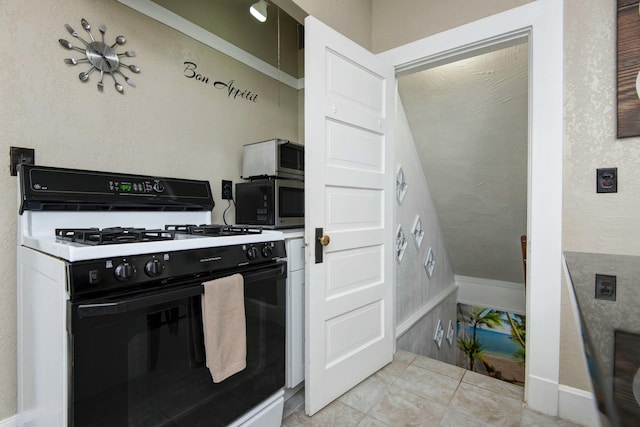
[607, 180]
[605, 287]
[227, 190]
[19, 155]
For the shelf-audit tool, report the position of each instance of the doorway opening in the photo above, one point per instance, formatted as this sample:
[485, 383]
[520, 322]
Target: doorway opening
[541, 23]
[469, 122]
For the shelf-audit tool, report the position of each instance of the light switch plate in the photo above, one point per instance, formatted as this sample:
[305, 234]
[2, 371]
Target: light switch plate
[607, 180]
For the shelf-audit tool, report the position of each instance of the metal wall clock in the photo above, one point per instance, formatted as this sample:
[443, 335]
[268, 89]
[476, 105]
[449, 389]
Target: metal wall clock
[100, 56]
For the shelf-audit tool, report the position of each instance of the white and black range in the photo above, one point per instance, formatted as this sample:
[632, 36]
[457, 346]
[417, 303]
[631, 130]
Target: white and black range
[110, 329]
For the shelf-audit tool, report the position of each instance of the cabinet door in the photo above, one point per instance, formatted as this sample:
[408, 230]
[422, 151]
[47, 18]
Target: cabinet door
[295, 329]
[295, 254]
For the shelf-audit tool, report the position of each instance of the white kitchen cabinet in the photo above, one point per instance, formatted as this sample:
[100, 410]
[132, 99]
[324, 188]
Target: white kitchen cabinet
[294, 355]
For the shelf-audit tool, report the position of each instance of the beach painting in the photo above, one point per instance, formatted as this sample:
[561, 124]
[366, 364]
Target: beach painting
[491, 342]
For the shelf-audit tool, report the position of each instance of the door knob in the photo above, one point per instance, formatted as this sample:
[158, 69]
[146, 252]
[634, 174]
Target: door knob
[324, 240]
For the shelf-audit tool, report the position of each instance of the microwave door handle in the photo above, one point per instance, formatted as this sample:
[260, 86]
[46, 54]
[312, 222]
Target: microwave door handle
[130, 304]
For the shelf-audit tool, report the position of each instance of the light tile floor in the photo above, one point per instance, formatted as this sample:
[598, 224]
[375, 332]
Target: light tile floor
[417, 391]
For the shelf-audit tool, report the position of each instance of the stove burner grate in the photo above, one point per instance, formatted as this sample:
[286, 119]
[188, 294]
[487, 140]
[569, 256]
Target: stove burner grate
[213, 229]
[113, 235]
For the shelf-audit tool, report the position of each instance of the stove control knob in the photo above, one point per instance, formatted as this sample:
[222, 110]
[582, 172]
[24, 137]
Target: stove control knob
[252, 253]
[124, 271]
[158, 187]
[267, 251]
[154, 268]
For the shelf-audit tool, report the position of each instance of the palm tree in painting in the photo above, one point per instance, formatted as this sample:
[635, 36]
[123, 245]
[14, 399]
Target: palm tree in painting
[477, 317]
[471, 348]
[518, 326]
[484, 316]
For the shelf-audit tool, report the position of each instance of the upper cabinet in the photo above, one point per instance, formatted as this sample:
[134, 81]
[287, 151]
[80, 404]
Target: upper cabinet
[273, 47]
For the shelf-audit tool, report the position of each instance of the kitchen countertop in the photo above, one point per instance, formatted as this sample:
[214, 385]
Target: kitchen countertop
[292, 233]
[611, 330]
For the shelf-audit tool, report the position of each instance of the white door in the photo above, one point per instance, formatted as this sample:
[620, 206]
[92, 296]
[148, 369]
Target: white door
[349, 100]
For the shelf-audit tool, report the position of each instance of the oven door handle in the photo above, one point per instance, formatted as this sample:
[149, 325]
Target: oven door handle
[278, 270]
[130, 304]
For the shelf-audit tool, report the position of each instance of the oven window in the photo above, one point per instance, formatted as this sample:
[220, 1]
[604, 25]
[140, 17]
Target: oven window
[291, 202]
[146, 367]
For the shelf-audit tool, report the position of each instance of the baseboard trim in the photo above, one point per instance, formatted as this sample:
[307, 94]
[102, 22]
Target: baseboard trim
[424, 310]
[496, 294]
[9, 422]
[578, 406]
[542, 395]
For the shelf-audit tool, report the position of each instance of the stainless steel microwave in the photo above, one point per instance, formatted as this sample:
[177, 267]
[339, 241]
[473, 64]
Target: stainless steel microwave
[275, 158]
[277, 203]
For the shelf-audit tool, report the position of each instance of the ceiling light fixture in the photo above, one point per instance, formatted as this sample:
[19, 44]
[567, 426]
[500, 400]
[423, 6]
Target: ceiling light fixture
[259, 10]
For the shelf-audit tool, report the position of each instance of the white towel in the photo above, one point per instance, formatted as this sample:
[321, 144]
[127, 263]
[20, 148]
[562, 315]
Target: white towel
[224, 326]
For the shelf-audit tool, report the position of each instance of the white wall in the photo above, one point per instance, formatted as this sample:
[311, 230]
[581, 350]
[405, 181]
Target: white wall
[168, 125]
[416, 294]
[496, 294]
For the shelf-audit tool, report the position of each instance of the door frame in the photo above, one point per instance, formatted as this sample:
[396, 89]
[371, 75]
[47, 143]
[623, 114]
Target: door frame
[541, 22]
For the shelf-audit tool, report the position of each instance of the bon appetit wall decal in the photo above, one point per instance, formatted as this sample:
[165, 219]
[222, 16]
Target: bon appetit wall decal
[229, 87]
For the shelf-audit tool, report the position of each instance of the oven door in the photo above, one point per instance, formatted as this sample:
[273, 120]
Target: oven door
[140, 361]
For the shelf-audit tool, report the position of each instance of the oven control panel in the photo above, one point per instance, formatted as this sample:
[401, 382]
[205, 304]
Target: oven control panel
[48, 188]
[90, 278]
[136, 186]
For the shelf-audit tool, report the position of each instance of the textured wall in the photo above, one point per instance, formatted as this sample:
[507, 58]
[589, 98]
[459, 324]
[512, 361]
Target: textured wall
[419, 339]
[168, 125]
[413, 287]
[351, 18]
[601, 223]
[605, 223]
[469, 120]
[592, 222]
[397, 22]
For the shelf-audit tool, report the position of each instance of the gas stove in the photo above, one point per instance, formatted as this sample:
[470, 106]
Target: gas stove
[112, 235]
[70, 214]
[213, 229]
[119, 235]
[111, 272]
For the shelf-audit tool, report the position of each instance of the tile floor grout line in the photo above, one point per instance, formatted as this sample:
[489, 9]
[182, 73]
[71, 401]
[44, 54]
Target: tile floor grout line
[450, 415]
